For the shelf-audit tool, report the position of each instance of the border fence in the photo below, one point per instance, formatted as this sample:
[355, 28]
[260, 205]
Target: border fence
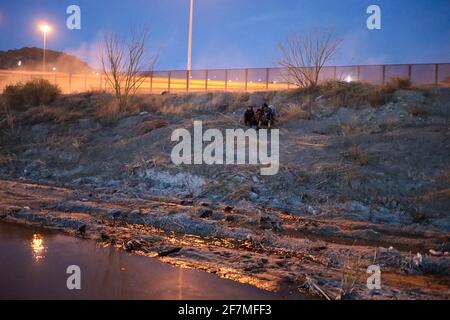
[238, 80]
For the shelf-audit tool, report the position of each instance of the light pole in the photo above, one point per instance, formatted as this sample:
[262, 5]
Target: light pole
[45, 29]
[189, 64]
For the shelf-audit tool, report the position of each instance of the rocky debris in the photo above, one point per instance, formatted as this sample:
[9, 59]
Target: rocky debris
[270, 221]
[133, 245]
[82, 229]
[164, 252]
[228, 209]
[205, 213]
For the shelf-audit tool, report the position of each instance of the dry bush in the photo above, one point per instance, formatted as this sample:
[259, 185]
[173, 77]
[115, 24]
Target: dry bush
[351, 274]
[109, 112]
[8, 117]
[293, 111]
[32, 93]
[359, 155]
[398, 83]
[354, 94]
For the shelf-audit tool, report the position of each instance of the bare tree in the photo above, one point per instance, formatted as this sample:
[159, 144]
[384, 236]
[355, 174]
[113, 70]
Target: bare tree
[124, 63]
[304, 56]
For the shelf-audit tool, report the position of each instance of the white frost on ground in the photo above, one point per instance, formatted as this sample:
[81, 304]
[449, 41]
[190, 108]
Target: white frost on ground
[169, 184]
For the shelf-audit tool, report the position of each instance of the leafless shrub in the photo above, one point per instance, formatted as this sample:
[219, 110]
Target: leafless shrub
[124, 63]
[304, 56]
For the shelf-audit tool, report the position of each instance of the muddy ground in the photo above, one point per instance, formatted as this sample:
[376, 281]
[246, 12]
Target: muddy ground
[358, 185]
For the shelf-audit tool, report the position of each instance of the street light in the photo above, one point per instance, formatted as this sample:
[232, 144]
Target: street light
[190, 36]
[45, 29]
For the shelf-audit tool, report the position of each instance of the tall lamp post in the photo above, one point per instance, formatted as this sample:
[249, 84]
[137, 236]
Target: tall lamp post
[45, 29]
[189, 64]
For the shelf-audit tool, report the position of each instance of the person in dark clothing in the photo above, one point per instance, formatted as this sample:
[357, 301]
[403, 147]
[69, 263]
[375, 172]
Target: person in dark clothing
[263, 115]
[250, 117]
[259, 117]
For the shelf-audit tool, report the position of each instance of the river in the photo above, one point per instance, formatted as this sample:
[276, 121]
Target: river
[34, 261]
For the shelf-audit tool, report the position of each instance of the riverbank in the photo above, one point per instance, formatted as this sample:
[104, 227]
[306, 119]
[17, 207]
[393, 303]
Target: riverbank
[277, 261]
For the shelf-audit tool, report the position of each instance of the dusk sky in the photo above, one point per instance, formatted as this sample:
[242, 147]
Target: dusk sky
[237, 33]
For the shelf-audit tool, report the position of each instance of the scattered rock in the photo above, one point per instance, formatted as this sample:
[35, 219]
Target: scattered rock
[205, 213]
[168, 251]
[228, 209]
[133, 245]
[82, 230]
[270, 221]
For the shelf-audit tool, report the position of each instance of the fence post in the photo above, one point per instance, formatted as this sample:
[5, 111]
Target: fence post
[409, 72]
[188, 78]
[70, 83]
[267, 78]
[334, 73]
[206, 80]
[383, 74]
[358, 71]
[246, 80]
[168, 81]
[226, 79]
[436, 75]
[151, 82]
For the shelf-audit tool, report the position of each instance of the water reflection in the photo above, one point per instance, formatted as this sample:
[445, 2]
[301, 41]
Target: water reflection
[37, 245]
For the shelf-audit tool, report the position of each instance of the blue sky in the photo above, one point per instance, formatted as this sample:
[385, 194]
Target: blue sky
[237, 33]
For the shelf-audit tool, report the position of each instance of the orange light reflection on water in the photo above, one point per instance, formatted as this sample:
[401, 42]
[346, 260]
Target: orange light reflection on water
[37, 245]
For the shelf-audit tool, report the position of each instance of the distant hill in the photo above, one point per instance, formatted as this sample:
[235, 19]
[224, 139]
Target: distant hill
[31, 59]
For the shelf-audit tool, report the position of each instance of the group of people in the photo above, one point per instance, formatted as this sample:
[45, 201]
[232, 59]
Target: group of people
[262, 117]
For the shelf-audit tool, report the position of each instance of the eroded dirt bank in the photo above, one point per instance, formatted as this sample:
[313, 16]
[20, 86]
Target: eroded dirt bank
[359, 184]
[268, 249]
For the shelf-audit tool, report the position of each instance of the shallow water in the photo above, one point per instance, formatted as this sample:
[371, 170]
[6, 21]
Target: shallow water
[33, 263]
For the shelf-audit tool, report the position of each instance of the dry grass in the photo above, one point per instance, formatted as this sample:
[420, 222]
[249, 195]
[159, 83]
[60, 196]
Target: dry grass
[351, 274]
[293, 111]
[354, 128]
[182, 104]
[398, 83]
[419, 110]
[151, 125]
[7, 158]
[355, 94]
[45, 113]
[359, 155]
[109, 110]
